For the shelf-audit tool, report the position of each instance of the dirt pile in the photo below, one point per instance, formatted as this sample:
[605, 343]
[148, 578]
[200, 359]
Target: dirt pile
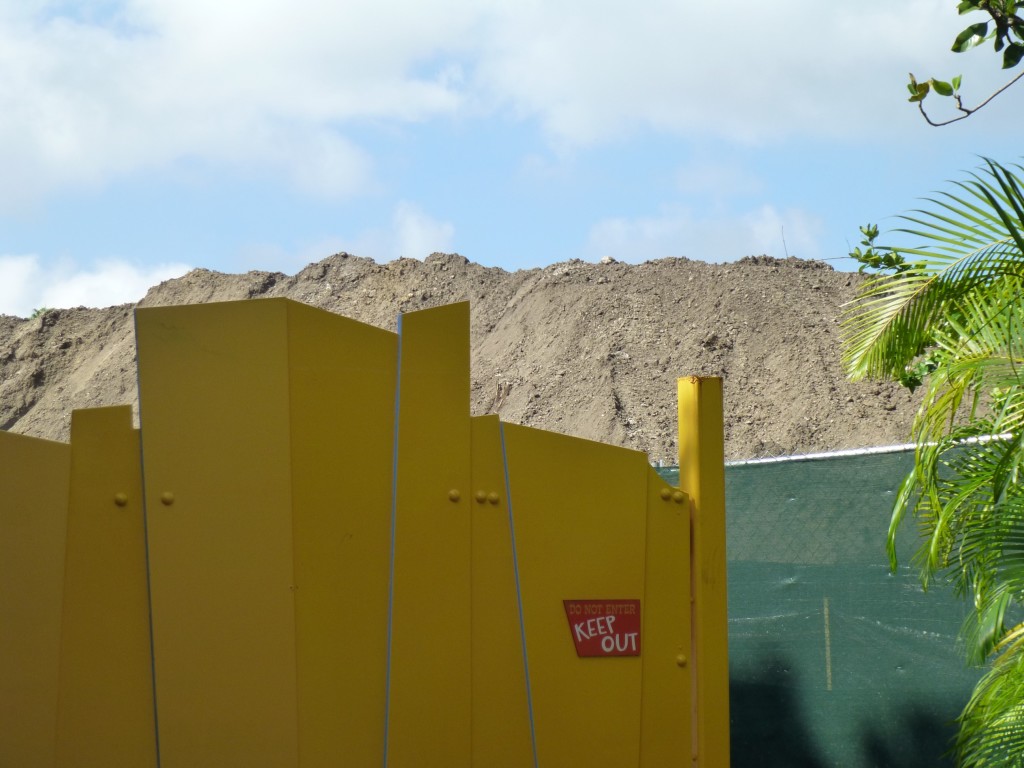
[585, 349]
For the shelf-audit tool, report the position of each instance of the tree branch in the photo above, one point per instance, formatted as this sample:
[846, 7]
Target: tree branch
[967, 112]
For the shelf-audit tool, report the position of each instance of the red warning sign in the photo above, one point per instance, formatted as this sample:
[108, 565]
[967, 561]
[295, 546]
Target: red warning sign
[604, 627]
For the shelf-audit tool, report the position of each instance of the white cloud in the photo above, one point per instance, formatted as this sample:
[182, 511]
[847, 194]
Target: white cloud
[27, 283]
[318, 162]
[417, 235]
[19, 280]
[137, 86]
[717, 180]
[258, 85]
[273, 257]
[412, 234]
[593, 70]
[677, 231]
[793, 231]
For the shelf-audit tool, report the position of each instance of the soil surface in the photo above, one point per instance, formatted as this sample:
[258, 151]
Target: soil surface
[591, 350]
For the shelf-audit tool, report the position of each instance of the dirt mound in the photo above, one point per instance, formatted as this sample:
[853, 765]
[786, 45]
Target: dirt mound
[585, 349]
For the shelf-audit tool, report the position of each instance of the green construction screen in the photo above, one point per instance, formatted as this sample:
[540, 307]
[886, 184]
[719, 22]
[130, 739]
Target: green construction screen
[833, 659]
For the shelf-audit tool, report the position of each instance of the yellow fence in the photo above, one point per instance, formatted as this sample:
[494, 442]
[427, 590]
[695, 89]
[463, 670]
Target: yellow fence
[311, 555]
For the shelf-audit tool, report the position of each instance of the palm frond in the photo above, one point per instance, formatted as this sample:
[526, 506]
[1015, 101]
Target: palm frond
[976, 237]
[961, 305]
[992, 723]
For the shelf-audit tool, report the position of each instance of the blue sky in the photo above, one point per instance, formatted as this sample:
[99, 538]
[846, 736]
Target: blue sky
[141, 138]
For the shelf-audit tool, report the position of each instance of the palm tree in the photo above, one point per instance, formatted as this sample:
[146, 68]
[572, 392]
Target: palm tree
[948, 315]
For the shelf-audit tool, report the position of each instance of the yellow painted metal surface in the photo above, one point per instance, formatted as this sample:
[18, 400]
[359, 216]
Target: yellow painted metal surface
[33, 512]
[501, 722]
[428, 721]
[105, 714]
[342, 400]
[667, 684]
[214, 408]
[345, 569]
[579, 511]
[702, 476]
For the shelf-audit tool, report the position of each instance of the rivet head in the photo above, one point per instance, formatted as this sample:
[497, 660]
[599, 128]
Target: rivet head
[666, 494]
[454, 495]
[481, 497]
[678, 497]
[681, 660]
[167, 498]
[121, 499]
[493, 497]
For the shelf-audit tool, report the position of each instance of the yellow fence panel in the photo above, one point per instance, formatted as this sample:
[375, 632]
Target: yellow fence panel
[34, 477]
[579, 512]
[214, 405]
[312, 556]
[105, 714]
[429, 689]
[501, 722]
[342, 392]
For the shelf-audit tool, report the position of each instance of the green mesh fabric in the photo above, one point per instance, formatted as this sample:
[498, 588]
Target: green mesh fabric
[833, 659]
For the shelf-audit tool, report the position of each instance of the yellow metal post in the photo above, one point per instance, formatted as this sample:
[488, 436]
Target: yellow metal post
[33, 514]
[702, 477]
[105, 712]
[429, 685]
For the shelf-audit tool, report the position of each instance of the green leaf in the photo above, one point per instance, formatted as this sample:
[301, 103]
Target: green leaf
[971, 37]
[942, 88]
[967, 6]
[1012, 55]
[920, 91]
[956, 82]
